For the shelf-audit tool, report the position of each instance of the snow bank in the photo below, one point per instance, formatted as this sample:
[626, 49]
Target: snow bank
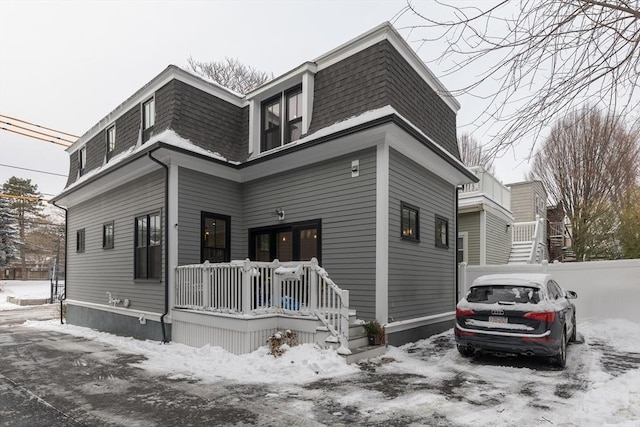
[23, 289]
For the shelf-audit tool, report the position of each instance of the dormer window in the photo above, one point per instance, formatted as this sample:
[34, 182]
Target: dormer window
[111, 141]
[82, 160]
[148, 114]
[277, 128]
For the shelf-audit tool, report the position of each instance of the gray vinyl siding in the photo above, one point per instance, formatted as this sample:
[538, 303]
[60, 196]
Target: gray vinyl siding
[421, 275]
[498, 239]
[95, 271]
[347, 208]
[198, 192]
[470, 223]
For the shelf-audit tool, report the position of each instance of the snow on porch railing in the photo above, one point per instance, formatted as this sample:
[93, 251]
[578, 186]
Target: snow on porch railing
[249, 288]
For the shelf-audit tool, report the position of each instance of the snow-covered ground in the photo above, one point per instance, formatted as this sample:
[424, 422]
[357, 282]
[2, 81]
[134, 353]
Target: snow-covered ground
[600, 386]
[26, 289]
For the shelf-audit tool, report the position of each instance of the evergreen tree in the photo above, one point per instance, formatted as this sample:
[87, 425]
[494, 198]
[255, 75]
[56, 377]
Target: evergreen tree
[26, 206]
[8, 233]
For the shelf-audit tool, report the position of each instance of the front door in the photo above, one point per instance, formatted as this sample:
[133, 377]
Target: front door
[286, 242]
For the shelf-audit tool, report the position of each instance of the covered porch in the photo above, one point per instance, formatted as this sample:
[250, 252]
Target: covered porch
[240, 304]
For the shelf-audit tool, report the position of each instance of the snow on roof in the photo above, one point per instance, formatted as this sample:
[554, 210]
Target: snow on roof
[168, 136]
[354, 121]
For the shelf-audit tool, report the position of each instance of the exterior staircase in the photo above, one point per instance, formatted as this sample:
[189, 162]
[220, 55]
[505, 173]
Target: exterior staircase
[358, 341]
[528, 244]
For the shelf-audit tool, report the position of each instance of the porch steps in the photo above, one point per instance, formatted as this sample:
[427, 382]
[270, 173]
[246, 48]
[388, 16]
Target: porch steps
[359, 343]
[520, 252]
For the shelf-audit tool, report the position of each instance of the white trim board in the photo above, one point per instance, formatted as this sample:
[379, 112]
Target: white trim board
[118, 310]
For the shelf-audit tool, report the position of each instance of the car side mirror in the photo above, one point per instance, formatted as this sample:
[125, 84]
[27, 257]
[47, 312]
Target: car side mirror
[571, 295]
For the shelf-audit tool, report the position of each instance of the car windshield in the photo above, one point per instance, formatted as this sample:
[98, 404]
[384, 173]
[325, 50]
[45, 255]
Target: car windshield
[510, 294]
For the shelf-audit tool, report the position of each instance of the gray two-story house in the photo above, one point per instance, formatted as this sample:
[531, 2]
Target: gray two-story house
[344, 170]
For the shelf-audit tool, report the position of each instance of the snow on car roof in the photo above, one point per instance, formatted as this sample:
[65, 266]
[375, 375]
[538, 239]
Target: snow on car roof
[512, 279]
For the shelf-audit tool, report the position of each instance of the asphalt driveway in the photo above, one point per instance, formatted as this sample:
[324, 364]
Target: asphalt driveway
[49, 378]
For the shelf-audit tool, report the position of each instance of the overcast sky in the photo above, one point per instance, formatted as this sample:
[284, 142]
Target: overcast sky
[67, 64]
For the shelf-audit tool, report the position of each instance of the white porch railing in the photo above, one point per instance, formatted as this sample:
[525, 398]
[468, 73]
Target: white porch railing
[246, 288]
[488, 186]
[531, 231]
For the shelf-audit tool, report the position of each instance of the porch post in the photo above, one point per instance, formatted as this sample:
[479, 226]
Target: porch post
[313, 286]
[246, 286]
[206, 285]
[277, 285]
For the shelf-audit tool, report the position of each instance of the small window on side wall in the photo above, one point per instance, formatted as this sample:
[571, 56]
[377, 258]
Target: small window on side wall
[107, 235]
[409, 222]
[80, 240]
[442, 232]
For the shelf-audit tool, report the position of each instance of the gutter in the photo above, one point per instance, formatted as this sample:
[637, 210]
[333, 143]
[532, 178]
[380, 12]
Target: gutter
[166, 242]
[66, 256]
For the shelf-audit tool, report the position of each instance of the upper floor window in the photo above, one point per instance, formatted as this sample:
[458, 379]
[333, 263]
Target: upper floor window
[410, 222]
[148, 114]
[278, 128]
[82, 160]
[111, 141]
[271, 136]
[294, 115]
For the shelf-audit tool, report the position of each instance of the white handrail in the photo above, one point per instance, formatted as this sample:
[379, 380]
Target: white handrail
[537, 239]
[250, 288]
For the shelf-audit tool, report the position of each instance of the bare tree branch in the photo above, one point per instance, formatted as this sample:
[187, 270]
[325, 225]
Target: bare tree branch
[534, 60]
[231, 74]
[588, 163]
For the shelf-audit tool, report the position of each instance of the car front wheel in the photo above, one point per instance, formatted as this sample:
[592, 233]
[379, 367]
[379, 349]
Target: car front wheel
[560, 359]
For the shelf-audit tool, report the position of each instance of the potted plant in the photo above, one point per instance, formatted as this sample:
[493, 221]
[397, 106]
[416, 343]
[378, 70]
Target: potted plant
[375, 332]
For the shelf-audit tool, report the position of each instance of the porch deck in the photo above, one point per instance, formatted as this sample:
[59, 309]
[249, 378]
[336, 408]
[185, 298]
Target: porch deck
[240, 304]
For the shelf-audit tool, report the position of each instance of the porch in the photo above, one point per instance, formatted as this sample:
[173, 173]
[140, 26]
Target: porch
[240, 304]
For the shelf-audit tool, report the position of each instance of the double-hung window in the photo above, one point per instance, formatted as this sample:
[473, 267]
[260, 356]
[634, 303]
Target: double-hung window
[80, 240]
[107, 235]
[82, 160]
[442, 232]
[282, 127]
[148, 114]
[409, 222]
[111, 141]
[216, 238]
[148, 249]
[271, 137]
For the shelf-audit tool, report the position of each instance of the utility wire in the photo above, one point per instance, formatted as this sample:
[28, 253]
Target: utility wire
[31, 198]
[33, 170]
[36, 137]
[38, 132]
[42, 127]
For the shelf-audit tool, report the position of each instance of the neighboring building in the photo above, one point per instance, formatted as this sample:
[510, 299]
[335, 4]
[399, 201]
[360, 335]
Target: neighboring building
[529, 205]
[484, 221]
[351, 159]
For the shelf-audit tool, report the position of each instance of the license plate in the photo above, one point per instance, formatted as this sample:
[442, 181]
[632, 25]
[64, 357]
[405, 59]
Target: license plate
[498, 319]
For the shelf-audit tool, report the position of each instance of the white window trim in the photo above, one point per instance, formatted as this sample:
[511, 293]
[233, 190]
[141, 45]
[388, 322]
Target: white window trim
[304, 76]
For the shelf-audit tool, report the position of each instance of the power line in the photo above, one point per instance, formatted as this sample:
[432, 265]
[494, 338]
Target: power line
[42, 127]
[30, 198]
[37, 137]
[37, 131]
[33, 170]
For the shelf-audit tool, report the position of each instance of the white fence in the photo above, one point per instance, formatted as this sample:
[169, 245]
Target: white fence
[606, 289]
